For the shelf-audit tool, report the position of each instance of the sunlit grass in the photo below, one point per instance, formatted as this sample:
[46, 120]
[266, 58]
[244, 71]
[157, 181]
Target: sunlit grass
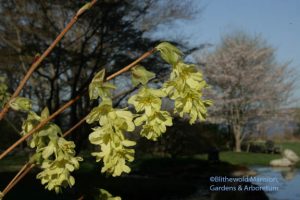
[244, 158]
[295, 146]
[249, 159]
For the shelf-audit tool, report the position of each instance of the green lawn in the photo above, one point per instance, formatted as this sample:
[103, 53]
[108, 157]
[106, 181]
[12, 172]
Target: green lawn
[251, 159]
[295, 146]
[244, 158]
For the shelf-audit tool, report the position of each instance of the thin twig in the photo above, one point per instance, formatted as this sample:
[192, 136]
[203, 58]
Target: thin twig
[35, 64]
[145, 55]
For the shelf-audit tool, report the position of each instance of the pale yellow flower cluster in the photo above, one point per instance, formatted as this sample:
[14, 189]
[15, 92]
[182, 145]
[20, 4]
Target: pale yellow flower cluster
[115, 151]
[55, 154]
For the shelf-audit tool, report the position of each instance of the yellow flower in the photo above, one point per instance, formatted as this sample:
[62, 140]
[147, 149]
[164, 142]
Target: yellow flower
[193, 105]
[147, 99]
[185, 88]
[109, 136]
[114, 151]
[154, 125]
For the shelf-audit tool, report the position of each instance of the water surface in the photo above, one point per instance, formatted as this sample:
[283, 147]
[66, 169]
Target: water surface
[288, 182]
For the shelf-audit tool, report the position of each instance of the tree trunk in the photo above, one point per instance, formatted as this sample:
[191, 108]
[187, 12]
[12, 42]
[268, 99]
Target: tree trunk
[237, 137]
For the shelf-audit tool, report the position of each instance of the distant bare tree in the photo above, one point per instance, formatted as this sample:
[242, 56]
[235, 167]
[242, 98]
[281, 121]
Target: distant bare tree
[248, 85]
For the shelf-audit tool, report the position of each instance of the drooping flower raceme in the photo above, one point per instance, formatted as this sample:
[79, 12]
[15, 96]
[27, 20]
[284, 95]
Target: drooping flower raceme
[54, 154]
[60, 167]
[153, 119]
[154, 125]
[115, 149]
[147, 99]
[185, 87]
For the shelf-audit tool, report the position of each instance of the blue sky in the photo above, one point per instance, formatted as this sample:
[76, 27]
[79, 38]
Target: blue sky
[277, 21]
